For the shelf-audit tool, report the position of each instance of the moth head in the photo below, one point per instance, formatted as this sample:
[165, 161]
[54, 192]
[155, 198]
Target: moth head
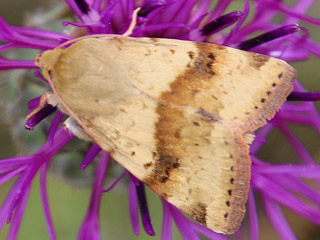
[47, 59]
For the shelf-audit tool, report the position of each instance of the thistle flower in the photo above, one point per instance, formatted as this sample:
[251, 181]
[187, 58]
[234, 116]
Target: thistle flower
[278, 185]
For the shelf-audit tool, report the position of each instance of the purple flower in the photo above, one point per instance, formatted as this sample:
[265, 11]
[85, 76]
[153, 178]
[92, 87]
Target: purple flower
[278, 185]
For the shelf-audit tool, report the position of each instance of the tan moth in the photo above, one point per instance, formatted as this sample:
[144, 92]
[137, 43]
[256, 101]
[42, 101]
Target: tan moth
[178, 115]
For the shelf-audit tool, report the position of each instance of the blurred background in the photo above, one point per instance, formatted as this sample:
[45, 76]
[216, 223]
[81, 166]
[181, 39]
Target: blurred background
[69, 188]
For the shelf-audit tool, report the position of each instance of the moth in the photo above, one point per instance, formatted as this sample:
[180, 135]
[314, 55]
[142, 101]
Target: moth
[178, 115]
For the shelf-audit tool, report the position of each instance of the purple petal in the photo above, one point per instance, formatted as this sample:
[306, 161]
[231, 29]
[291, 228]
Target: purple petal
[296, 185]
[262, 134]
[6, 64]
[135, 180]
[33, 103]
[146, 221]
[91, 154]
[158, 27]
[12, 163]
[183, 225]
[280, 7]
[304, 171]
[8, 201]
[221, 22]
[76, 24]
[296, 144]
[301, 7]
[201, 9]
[166, 221]
[149, 6]
[96, 5]
[8, 34]
[208, 233]
[39, 75]
[54, 126]
[40, 33]
[253, 217]
[90, 226]
[44, 199]
[15, 224]
[233, 36]
[133, 207]
[304, 96]
[39, 116]
[7, 176]
[280, 195]
[269, 36]
[278, 221]
[220, 8]
[115, 182]
[75, 8]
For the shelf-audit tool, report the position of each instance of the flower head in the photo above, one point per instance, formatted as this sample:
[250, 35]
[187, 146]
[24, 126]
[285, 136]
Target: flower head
[194, 20]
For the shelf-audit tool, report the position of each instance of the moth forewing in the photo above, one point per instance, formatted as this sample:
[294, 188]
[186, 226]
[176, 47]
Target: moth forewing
[176, 114]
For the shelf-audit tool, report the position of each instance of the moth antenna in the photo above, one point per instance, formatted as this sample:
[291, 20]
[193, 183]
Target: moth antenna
[132, 24]
[48, 97]
[127, 33]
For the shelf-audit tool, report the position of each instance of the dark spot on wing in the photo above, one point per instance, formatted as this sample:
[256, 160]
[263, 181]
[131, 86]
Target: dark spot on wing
[164, 165]
[154, 155]
[231, 180]
[196, 123]
[258, 60]
[199, 212]
[147, 165]
[209, 64]
[211, 56]
[191, 54]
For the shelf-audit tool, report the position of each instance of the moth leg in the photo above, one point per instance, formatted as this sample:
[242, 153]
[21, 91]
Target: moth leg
[48, 97]
[75, 129]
